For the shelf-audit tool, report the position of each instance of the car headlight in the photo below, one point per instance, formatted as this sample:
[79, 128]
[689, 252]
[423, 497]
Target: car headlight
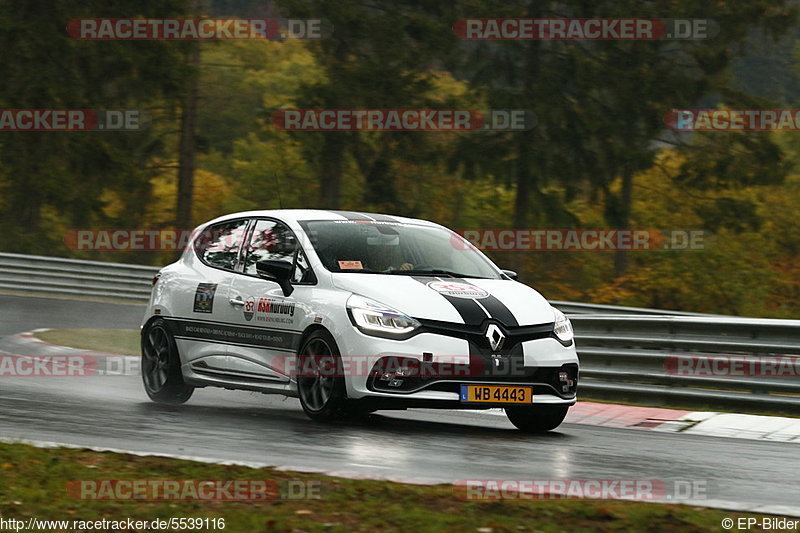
[562, 327]
[375, 318]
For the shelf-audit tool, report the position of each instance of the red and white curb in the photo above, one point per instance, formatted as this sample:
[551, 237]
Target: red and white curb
[707, 423]
[40, 358]
[28, 344]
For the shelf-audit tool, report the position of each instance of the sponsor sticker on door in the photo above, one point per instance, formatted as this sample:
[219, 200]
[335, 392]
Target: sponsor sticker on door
[269, 310]
[204, 298]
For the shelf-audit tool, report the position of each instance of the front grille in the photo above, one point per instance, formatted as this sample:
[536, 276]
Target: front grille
[515, 335]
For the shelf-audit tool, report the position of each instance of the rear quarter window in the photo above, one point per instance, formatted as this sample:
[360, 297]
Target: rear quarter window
[218, 245]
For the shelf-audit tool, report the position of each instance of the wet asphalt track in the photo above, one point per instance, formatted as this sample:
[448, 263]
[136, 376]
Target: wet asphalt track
[418, 446]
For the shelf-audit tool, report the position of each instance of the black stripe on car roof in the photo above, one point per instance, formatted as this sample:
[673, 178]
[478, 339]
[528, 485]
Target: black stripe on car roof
[382, 218]
[364, 217]
[349, 215]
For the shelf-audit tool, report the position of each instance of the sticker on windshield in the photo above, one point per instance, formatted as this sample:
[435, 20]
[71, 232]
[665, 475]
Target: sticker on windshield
[350, 265]
[458, 290]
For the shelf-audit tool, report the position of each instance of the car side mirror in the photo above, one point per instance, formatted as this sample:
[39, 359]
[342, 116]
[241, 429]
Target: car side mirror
[510, 274]
[277, 271]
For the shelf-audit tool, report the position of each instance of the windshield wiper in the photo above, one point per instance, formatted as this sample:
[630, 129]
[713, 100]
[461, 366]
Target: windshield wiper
[434, 272]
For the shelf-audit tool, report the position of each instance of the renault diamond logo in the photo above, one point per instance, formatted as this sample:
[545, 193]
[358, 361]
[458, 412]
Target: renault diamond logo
[495, 337]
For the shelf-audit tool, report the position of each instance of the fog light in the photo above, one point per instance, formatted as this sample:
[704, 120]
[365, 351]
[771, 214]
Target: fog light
[566, 382]
[403, 372]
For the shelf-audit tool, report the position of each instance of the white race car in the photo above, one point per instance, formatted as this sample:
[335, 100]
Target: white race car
[352, 313]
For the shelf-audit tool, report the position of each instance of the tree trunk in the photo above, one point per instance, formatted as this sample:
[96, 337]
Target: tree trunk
[332, 164]
[188, 143]
[379, 190]
[623, 218]
[523, 178]
[527, 139]
[526, 177]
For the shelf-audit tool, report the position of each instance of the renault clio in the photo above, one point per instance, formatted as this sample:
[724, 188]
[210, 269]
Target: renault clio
[353, 313]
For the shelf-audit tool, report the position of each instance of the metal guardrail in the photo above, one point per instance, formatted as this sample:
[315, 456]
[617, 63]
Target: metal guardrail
[575, 308]
[52, 275]
[623, 350]
[636, 358]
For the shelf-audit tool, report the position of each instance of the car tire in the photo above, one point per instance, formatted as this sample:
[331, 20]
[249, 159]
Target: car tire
[320, 379]
[161, 366]
[538, 419]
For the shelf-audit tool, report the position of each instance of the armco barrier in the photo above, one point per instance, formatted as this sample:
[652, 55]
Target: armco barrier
[629, 358]
[52, 275]
[576, 308]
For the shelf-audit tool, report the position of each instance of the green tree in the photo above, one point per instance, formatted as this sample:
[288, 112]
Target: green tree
[55, 180]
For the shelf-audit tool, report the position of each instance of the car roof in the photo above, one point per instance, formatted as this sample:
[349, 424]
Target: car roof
[302, 215]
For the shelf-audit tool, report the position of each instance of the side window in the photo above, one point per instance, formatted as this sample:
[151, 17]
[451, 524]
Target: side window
[218, 245]
[270, 240]
[302, 270]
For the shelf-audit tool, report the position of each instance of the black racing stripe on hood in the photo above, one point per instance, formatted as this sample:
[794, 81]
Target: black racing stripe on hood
[471, 313]
[499, 311]
[494, 307]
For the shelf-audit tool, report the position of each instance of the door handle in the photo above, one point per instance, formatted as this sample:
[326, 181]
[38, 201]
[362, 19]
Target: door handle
[236, 301]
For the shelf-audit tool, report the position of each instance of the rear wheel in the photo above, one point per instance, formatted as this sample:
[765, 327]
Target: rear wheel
[161, 366]
[537, 419]
[320, 379]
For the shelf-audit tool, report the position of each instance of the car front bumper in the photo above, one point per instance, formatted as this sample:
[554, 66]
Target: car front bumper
[432, 367]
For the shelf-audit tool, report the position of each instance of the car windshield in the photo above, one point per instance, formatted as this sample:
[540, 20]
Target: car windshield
[396, 248]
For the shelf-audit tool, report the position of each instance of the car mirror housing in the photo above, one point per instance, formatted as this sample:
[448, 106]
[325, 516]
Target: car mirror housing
[277, 271]
[510, 274]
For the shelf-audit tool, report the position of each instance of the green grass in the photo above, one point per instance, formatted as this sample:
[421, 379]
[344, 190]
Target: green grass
[33, 481]
[120, 341]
